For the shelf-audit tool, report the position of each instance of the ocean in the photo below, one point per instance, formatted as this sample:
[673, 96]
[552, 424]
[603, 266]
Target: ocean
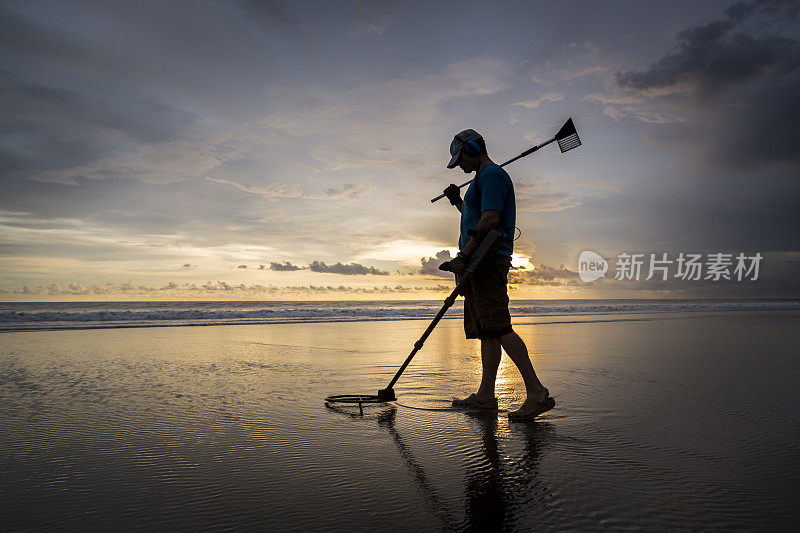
[92, 315]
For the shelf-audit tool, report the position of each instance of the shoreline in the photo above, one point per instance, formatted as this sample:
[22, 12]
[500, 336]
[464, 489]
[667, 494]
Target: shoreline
[517, 319]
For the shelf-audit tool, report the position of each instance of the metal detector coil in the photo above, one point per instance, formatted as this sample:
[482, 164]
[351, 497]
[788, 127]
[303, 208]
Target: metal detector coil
[486, 251]
[355, 398]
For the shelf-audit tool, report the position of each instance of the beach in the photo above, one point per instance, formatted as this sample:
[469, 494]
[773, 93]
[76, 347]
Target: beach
[662, 421]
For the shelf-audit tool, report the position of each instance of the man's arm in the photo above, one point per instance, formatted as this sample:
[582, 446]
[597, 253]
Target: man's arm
[490, 219]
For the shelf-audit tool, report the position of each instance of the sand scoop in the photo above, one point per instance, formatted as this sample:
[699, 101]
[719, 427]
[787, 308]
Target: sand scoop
[485, 253]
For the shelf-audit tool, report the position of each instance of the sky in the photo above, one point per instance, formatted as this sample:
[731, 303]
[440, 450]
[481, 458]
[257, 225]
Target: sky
[289, 150]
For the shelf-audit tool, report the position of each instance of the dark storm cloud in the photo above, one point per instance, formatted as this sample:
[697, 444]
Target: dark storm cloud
[717, 55]
[286, 266]
[728, 94]
[353, 269]
[745, 76]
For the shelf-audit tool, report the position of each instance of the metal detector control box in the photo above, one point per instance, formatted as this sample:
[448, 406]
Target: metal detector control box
[486, 251]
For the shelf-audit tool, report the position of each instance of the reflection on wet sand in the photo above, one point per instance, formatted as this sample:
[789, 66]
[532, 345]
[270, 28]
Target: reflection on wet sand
[497, 488]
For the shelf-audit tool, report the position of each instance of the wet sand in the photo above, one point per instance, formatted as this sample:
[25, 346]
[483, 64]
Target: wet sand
[662, 422]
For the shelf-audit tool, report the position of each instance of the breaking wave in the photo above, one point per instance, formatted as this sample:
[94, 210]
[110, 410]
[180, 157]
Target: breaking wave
[62, 315]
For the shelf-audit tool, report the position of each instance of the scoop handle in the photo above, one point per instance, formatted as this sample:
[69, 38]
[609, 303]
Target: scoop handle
[523, 154]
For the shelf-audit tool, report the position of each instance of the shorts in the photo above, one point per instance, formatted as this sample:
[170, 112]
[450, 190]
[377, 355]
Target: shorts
[486, 313]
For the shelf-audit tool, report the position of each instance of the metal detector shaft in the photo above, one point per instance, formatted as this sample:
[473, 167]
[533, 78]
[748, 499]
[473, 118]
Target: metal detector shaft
[486, 251]
[523, 154]
[448, 303]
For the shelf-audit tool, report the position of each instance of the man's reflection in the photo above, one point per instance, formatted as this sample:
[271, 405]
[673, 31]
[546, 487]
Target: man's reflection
[498, 491]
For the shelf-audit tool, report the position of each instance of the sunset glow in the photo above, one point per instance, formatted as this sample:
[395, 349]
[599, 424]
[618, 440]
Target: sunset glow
[236, 152]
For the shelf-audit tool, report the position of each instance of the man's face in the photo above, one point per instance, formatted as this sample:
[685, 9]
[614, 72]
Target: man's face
[467, 163]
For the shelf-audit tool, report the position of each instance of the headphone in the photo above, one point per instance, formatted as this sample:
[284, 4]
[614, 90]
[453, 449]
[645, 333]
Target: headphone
[472, 148]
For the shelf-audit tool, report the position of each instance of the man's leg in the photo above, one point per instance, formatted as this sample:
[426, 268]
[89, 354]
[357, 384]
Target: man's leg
[518, 352]
[490, 359]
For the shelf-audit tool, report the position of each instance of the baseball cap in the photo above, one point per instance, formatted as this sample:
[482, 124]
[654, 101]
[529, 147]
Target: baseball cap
[458, 144]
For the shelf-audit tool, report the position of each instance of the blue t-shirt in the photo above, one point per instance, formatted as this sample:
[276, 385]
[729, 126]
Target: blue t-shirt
[491, 189]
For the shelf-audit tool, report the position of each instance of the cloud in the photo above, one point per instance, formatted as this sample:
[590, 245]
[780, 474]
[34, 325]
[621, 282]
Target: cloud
[351, 120]
[347, 191]
[430, 265]
[352, 269]
[25, 36]
[219, 289]
[286, 266]
[727, 95]
[712, 57]
[76, 288]
[536, 102]
[618, 106]
[93, 135]
[27, 289]
[544, 275]
[478, 76]
[137, 118]
[572, 63]
[536, 195]
[161, 162]
[54, 289]
[546, 201]
[359, 30]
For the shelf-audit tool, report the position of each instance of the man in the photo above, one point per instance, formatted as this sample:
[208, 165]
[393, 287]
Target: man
[489, 204]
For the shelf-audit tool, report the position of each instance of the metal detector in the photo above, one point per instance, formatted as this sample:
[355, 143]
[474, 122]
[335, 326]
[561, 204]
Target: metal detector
[485, 253]
[567, 138]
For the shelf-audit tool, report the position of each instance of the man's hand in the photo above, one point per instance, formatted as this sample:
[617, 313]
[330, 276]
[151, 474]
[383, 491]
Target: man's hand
[490, 219]
[453, 194]
[457, 265]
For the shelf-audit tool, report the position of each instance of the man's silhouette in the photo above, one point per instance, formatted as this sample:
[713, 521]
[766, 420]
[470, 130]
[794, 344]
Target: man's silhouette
[489, 204]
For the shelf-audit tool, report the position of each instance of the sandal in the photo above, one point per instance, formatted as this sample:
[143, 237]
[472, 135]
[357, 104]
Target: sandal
[476, 401]
[531, 409]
